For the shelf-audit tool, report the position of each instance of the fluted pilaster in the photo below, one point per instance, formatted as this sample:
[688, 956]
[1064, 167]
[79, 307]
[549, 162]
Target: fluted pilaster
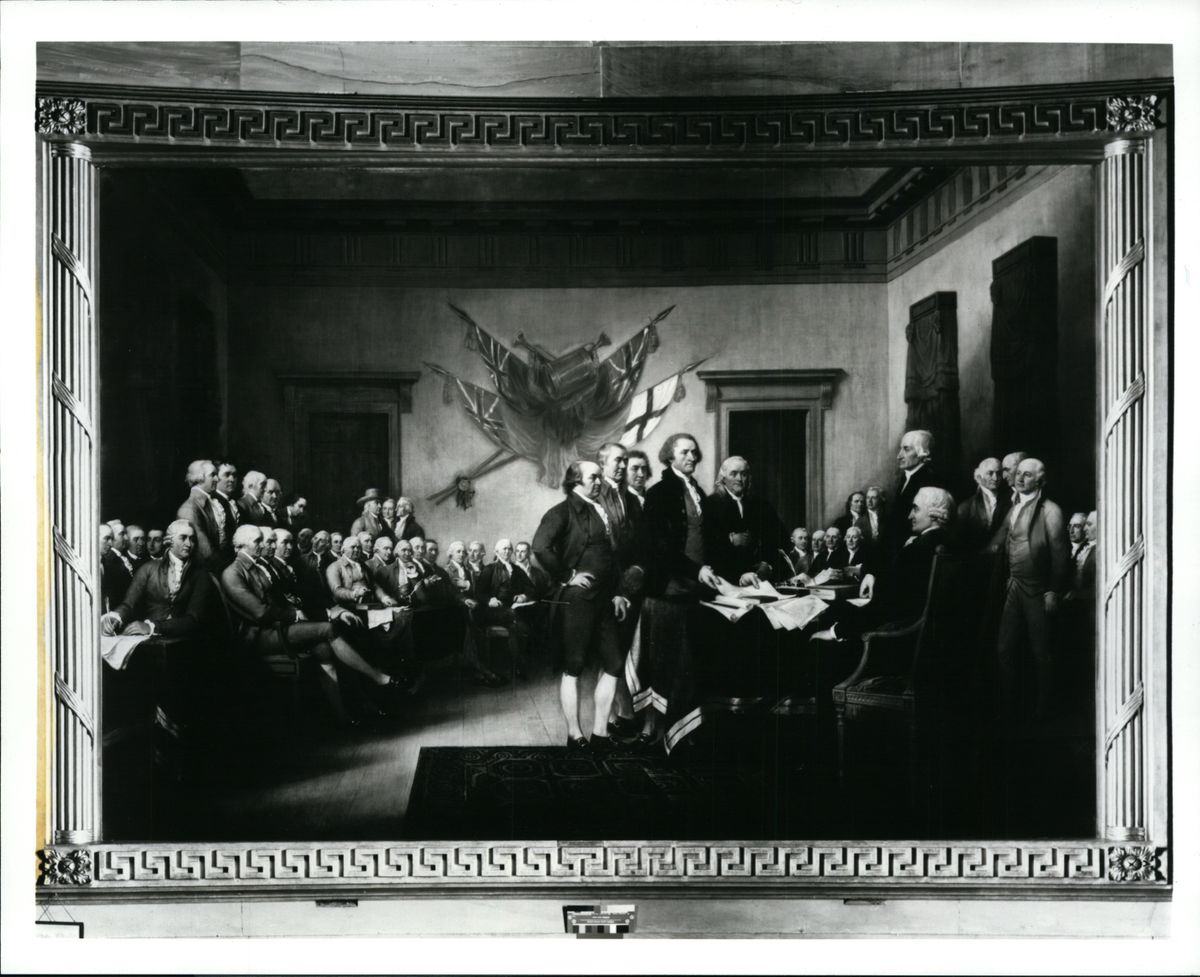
[69, 349]
[1122, 608]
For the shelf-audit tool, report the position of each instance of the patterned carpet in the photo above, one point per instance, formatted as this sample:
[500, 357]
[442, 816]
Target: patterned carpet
[529, 792]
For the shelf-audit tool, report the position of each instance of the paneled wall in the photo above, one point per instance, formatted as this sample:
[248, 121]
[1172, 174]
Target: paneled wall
[278, 331]
[1064, 208]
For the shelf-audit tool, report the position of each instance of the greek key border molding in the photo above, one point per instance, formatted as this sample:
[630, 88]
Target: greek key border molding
[153, 867]
[556, 127]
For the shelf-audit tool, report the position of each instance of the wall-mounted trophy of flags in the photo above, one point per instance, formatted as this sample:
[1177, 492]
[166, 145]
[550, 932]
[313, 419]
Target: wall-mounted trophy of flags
[554, 409]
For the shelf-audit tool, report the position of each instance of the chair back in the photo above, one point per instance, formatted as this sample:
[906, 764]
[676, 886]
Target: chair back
[945, 620]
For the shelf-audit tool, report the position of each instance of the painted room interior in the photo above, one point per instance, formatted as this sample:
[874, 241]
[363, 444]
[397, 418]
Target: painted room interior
[276, 298]
[265, 328]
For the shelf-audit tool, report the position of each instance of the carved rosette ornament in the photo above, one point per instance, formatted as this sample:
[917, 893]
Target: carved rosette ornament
[1138, 113]
[61, 116]
[65, 866]
[1133, 864]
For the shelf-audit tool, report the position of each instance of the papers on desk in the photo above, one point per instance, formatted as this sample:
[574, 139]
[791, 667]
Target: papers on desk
[731, 608]
[784, 613]
[858, 601]
[378, 617]
[763, 592]
[117, 648]
[523, 603]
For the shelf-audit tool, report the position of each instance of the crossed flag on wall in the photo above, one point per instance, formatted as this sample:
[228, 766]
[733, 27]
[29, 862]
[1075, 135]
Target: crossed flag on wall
[553, 409]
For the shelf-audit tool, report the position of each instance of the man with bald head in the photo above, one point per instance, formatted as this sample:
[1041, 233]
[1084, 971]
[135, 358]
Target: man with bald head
[198, 510]
[915, 460]
[1038, 554]
[980, 516]
[742, 533]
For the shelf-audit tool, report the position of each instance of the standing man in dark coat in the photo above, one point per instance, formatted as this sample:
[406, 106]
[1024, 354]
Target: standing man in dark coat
[980, 516]
[250, 504]
[674, 525]
[198, 510]
[742, 533]
[915, 459]
[225, 507]
[407, 525]
[574, 545]
[115, 564]
[1038, 567]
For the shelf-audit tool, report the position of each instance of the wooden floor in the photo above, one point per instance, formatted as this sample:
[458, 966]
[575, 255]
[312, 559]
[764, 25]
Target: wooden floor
[308, 780]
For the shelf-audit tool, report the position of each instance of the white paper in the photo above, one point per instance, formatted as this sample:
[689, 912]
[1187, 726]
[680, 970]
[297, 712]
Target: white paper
[858, 601]
[379, 617]
[117, 648]
[729, 610]
[794, 612]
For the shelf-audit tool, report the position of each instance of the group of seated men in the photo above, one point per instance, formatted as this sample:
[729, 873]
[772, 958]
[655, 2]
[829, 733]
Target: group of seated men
[290, 589]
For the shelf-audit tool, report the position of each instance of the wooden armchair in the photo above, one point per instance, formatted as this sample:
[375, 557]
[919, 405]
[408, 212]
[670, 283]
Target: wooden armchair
[904, 670]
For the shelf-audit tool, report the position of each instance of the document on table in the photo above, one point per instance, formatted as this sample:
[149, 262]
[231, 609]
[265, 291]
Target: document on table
[793, 613]
[764, 591]
[858, 601]
[378, 617]
[730, 608]
[116, 648]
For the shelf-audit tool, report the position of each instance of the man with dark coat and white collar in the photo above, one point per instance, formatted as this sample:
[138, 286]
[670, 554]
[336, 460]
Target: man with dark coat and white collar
[250, 504]
[574, 545]
[502, 584]
[637, 476]
[899, 596]
[225, 508]
[407, 525]
[198, 510]
[980, 516]
[742, 533]
[673, 522]
[915, 459]
[117, 568]
[272, 503]
[170, 598]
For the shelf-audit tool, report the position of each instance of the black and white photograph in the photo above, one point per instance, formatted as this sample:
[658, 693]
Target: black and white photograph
[601, 488]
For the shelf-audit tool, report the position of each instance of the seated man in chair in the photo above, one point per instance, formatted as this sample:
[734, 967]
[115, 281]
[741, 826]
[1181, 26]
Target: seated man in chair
[502, 584]
[898, 597]
[270, 626]
[171, 598]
